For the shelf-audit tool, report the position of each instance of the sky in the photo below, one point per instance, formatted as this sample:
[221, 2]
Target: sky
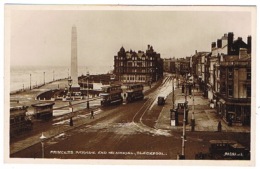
[43, 36]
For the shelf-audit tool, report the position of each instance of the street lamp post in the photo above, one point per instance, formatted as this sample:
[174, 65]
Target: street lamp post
[151, 76]
[173, 99]
[44, 78]
[87, 76]
[30, 81]
[184, 121]
[192, 115]
[42, 138]
[71, 108]
[156, 74]
[53, 76]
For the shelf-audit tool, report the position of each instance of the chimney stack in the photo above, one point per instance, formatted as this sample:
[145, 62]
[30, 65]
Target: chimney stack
[249, 41]
[219, 43]
[213, 45]
[230, 42]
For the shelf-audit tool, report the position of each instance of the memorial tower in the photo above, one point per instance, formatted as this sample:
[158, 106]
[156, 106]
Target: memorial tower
[74, 59]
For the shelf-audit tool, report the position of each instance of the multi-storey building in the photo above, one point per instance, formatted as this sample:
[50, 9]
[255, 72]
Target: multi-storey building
[217, 49]
[200, 69]
[169, 65]
[234, 89]
[182, 66]
[224, 75]
[138, 67]
[224, 46]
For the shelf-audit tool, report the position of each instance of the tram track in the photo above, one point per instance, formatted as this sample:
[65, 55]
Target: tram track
[138, 117]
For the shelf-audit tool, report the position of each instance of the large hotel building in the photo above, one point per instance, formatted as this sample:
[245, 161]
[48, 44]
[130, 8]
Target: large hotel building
[138, 67]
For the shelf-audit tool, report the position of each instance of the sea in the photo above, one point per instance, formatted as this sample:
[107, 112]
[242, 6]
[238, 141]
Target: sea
[22, 76]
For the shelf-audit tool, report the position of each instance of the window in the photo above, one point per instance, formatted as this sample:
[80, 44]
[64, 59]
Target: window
[230, 73]
[230, 90]
[248, 74]
[248, 91]
[12, 121]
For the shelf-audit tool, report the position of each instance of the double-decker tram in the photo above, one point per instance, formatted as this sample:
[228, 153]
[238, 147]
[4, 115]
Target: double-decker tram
[134, 92]
[19, 122]
[111, 95]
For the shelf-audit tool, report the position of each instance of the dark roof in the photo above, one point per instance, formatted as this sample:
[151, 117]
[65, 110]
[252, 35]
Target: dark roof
[18, 110]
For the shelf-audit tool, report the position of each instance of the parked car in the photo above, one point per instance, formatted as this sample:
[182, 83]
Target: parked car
[161, 100]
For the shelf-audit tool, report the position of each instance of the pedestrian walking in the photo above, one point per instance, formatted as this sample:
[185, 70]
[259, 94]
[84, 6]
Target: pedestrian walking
[71, 121]
[219, 126]
[192, 122]
[91, 114]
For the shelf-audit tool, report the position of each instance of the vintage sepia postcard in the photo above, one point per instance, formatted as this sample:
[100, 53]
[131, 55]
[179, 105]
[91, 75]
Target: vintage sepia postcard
[131, 84]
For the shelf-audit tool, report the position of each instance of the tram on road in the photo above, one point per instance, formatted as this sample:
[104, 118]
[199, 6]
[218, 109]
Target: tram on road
[111, 95]
[19, 122]
[134, 92]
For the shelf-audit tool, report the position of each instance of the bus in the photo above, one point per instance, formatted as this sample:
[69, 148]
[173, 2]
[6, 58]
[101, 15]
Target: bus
[111, 95]
[134, 92]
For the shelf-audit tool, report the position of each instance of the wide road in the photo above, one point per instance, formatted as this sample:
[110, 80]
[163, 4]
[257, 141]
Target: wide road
[125, 132]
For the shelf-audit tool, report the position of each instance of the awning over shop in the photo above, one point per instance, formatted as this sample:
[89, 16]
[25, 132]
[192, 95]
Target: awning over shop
[238, 104]
[222, 101]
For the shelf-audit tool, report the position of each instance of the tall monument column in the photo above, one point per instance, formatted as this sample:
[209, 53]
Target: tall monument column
[74, 60]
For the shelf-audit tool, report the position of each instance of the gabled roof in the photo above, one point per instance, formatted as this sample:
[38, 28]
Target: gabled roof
[239, 43]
